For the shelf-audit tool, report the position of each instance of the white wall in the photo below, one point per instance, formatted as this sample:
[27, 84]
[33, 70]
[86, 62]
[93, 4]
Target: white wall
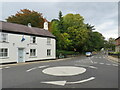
[14, 42]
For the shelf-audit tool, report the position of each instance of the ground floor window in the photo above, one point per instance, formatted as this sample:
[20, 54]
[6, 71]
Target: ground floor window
[3, 52]
[48, 52]
[32, 52]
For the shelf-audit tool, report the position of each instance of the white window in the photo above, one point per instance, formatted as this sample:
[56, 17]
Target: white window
[32, 52]
[4, 37]
[33, 39]
[48, 52]
[48, 41]
[3, 52]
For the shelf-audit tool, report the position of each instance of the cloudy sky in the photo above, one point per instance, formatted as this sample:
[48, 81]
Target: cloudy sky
[104, 15]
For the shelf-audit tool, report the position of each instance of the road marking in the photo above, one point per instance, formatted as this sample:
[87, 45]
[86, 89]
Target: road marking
[36, 68]
[61, 83]
[114, 64]
[64, 70]
[87, 66]
[1, 68]
[99, 57]
[108, 64]
[101, 63]
[7, 67]
[93, 67]
[82, 81]
[31, 69]
[91, 61]
[95, 62]
[43, 66]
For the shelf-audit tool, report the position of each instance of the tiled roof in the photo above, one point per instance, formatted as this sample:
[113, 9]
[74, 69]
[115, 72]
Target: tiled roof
[22, 29]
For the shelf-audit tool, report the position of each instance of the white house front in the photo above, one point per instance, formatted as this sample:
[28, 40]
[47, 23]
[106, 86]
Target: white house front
[20, 43]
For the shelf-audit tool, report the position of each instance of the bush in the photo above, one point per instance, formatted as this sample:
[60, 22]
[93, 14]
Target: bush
[63, 53]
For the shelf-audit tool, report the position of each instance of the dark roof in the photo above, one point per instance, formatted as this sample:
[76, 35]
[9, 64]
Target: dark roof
[22, 29]
[117, 38]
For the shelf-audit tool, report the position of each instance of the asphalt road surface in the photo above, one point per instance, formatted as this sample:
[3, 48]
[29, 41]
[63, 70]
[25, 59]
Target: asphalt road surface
[78, 72]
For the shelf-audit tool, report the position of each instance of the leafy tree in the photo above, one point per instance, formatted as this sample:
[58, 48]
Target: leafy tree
[26, 16]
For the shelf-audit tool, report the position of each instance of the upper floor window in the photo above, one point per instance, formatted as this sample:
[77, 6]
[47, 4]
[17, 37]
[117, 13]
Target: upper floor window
[48, 40]
[32, 52]
[48, 52]
[33, 39]
[3, 52]
[4, 37]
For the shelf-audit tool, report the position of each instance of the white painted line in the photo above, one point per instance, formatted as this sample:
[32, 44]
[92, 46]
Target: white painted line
[101, 63]
[81, 81]
[0, 68]
[91, 61]
[95, 62]
[99, 57]
[61, 83]
[114, 64]
[7, 67]
[43, 66]
[93, 67]
[108, 64]
[31, 69]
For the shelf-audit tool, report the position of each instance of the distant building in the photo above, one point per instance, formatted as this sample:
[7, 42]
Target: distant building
[20, 43]
[117, 48]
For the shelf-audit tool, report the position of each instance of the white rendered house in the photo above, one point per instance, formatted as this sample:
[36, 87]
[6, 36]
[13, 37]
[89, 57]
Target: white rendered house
[20, 43]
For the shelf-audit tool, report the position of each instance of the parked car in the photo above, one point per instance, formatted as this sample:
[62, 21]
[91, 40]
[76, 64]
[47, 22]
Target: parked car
[88, 54]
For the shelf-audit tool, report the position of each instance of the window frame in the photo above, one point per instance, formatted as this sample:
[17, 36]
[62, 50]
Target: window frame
[33, 53]
[33, 39]
[48, 41]
[2, 52]
[48, 52]
[4, 37]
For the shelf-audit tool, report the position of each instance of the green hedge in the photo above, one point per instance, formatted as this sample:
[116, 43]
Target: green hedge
[64, 53]
[114, 53]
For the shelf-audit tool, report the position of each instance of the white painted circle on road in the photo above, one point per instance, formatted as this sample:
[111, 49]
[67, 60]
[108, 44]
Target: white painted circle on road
[64, 70]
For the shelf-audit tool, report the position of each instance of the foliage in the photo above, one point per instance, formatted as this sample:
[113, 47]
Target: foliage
[110, 44]
[75, 34]
[26, 16]
[64, 53]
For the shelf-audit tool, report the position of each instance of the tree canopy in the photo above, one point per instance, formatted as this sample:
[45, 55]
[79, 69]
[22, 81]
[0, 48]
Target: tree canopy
[73, 33]
[26, 16]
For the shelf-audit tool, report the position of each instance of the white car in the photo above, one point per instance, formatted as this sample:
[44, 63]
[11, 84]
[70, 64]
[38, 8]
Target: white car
[88, 54]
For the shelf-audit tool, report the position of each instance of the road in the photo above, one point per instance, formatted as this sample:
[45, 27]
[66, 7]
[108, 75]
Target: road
[78, 72]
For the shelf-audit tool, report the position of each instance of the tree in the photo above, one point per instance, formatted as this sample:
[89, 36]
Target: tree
[110, 44]
[26, 16]
[60, 24]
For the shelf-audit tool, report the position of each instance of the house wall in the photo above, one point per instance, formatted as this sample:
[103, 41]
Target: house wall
[14, 42]
[117, 48]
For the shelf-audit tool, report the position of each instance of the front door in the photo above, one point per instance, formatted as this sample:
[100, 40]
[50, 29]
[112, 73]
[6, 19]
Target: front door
[20, 55]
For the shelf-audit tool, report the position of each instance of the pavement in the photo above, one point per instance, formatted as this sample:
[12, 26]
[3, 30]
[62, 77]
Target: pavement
[76, 72]
[114, 59]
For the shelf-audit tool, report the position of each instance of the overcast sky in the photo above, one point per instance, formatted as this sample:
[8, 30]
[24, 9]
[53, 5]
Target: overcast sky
[104, 15]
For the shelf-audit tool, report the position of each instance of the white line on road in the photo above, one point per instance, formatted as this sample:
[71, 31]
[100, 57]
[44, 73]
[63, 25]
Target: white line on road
[114, 64]
[43, 66]
[36, 68]
[31, 69]
[81, 81]
[62, 83]
[101, 63]
[7, 67]
[108, 64]
[0, 68]
[95, 62]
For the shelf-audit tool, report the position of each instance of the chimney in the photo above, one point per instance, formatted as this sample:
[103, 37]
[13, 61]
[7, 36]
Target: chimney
[29, 25]
[46, 25]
